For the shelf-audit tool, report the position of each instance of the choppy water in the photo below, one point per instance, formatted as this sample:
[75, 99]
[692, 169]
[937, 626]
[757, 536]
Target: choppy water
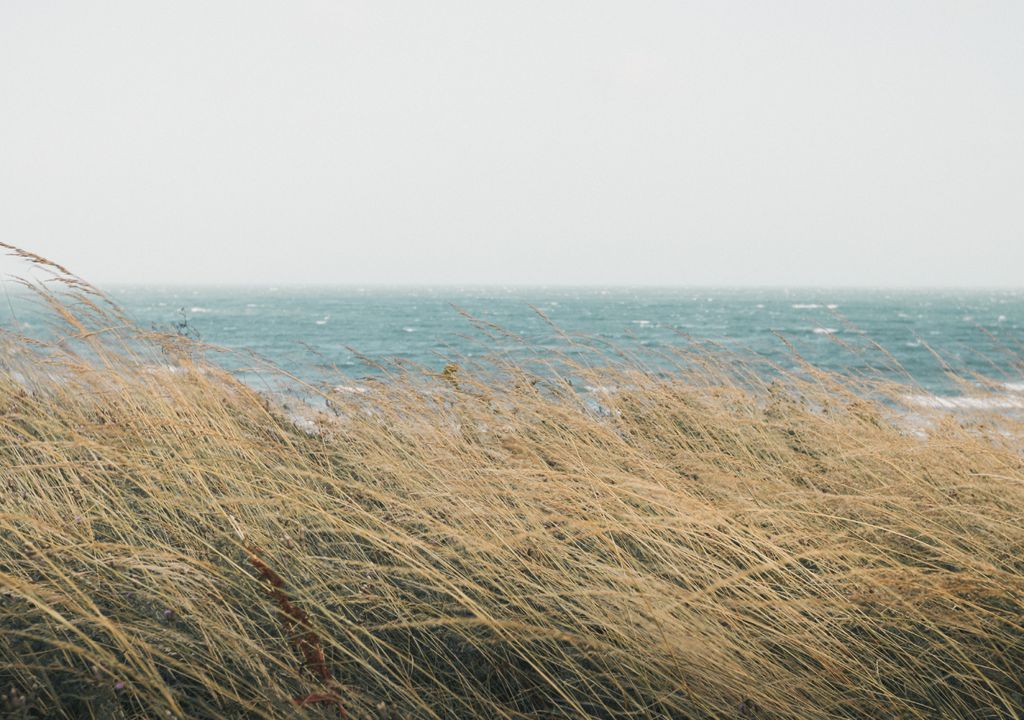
[973, 331]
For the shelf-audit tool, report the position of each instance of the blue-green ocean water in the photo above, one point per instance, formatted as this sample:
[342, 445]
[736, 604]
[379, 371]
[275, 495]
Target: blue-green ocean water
[285, 325]
[305, 330]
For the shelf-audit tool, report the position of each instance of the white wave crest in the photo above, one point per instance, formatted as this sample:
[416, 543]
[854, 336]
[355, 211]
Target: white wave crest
[966, 402]
[350, 389]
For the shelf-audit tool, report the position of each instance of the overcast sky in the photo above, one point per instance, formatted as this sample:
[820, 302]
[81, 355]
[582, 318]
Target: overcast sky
[667, 143]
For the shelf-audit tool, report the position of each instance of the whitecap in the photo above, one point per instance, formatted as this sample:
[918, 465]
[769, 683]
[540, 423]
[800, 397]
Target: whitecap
[1014, 387]
[641, 322]
[966, 402]
[409, 329]
[832, 306]
[350, 389]
[805, 306]
[825, 331]
[200, 310]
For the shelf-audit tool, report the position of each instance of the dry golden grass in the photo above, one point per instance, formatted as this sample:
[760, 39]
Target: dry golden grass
[482, 543]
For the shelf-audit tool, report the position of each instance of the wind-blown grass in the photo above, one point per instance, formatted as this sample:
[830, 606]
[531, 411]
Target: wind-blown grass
[485, 543]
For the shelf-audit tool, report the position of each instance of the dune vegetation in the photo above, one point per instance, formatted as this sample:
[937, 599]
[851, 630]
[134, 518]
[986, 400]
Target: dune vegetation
[719, 541]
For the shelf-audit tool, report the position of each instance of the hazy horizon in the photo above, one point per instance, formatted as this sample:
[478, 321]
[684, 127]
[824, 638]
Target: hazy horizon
[557, 286]
[602, 144]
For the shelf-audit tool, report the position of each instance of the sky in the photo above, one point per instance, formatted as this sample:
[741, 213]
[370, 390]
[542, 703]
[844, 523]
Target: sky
[782, 143]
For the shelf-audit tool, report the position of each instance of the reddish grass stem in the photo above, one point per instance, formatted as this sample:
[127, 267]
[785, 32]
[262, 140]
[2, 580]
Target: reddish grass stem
[300, 632]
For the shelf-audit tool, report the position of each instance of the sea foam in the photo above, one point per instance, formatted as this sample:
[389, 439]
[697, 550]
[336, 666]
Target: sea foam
[966, 402]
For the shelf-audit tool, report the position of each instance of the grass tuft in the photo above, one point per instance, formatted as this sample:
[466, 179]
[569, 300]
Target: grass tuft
[723, 540]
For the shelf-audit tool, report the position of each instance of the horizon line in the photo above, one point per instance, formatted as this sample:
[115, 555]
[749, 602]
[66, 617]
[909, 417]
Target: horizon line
[550, 286]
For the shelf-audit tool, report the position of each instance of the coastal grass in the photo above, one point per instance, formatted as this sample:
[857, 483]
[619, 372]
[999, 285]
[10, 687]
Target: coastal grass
[719, 540]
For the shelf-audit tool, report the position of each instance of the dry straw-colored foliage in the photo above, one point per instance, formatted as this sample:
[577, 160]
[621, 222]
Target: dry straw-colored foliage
[709, 543]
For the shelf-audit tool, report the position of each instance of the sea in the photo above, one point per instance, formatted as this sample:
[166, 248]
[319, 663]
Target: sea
[932, 339]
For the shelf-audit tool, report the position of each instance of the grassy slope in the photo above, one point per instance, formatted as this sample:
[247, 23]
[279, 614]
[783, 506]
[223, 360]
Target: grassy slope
[459, 546]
